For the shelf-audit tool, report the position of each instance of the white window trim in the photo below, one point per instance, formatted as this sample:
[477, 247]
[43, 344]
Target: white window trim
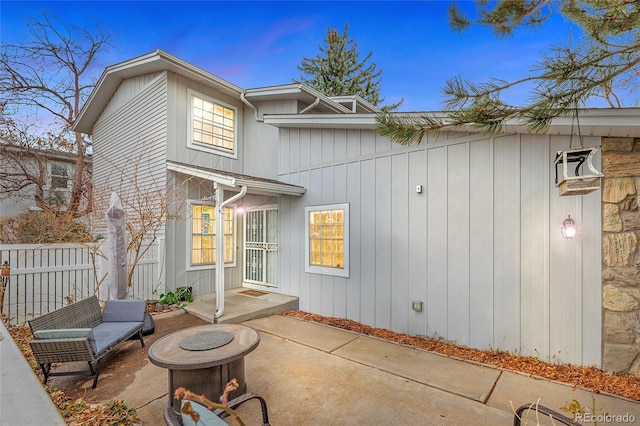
[191, 267]
[211, 148]
[344, 272]
[67, 167]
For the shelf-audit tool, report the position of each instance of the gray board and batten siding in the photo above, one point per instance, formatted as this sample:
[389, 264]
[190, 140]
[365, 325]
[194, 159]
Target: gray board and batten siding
[480, 246]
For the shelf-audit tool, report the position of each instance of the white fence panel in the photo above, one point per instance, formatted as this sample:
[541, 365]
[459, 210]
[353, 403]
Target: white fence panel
[44, 278]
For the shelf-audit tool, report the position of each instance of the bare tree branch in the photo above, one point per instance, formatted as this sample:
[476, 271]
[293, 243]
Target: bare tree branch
[48, 75]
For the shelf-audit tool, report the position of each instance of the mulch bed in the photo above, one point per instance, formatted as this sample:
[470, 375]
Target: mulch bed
[591, 378]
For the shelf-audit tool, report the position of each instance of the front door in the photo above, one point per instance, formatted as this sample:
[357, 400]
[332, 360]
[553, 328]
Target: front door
[261, 247]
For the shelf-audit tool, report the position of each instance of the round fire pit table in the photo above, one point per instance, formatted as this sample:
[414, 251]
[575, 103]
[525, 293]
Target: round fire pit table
[203, 359]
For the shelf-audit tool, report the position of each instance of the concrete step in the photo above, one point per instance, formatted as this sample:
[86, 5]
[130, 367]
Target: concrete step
[242, 304]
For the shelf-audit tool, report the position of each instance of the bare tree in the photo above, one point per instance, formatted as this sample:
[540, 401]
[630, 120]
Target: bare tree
[149, 203]
[49, 75]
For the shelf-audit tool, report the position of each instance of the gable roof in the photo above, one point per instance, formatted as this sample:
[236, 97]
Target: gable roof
[355, 103]
[346, 112]
[49, 154]
[160, 60]
[317, 101]
[155, 61]
[298, 92]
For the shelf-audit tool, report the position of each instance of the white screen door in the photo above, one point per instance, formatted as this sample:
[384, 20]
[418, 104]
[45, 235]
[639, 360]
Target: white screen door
[261, 247]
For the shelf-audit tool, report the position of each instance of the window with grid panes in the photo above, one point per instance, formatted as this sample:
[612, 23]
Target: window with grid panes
[327, 239]
[203, 235]
[213, 123]
[59, 176]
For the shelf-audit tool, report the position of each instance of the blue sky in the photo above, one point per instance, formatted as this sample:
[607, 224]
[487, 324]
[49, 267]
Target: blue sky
[256, 44]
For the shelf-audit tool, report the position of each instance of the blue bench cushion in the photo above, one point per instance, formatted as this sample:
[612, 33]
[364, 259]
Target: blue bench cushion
[124, 310]
[206, 417]
[67, 333]
[109, 334]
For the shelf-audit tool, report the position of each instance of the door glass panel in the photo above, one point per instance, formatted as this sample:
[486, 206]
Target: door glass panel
[272, 267]
[272, 226]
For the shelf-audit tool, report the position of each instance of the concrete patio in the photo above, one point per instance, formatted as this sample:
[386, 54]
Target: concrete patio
[312, 374]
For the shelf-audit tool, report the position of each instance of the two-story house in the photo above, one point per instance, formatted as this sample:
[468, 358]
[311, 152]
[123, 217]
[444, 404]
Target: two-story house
[23, 170]
[457, 237]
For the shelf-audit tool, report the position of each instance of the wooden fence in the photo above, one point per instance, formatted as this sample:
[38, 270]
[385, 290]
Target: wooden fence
[44, 278]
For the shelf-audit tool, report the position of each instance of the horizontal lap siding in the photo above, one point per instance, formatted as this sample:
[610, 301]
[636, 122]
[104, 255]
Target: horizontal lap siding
[480, 246]
[133, 139]
[179, 115]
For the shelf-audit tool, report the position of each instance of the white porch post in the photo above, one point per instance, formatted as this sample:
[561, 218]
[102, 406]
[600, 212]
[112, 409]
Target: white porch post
[219, 250]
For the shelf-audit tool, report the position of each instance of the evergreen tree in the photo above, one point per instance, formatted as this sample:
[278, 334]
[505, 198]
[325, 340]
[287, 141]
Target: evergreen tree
[606, 60]
[338, 71]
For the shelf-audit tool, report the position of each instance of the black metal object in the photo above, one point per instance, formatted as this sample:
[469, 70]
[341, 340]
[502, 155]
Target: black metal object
[94, 371]
[149, 326]
[557, 417]
[573, 157]
[171, 418]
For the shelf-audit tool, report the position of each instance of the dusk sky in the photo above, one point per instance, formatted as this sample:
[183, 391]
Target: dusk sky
[256, 44]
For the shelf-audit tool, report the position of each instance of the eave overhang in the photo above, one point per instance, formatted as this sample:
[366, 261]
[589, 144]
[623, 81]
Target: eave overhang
[603, 122]
[254, 185]
[322, 121]
[156, 61]
[300, 92]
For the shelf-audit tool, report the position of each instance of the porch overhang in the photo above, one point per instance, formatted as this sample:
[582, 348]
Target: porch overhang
[254, 185]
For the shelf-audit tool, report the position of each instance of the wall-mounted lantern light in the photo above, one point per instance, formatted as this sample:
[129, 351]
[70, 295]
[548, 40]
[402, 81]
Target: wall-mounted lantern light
[569, 229]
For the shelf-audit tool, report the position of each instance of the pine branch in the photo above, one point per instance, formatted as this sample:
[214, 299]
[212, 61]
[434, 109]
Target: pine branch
[404, 129]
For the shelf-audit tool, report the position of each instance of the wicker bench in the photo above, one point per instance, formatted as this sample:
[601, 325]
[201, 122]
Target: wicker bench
[82, 332]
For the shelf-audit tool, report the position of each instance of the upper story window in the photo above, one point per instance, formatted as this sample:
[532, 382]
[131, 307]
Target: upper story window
[327, 239]
[59, 176]
[212, 124]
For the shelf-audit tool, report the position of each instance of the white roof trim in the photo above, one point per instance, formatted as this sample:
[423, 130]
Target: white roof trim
[333, 121]
[358, 104]
[156, 61]
[296, 91]
[255, 185]
[614, 122]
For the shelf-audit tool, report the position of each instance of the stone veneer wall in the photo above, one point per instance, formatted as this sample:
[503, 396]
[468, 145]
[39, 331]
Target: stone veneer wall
[620, 257]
